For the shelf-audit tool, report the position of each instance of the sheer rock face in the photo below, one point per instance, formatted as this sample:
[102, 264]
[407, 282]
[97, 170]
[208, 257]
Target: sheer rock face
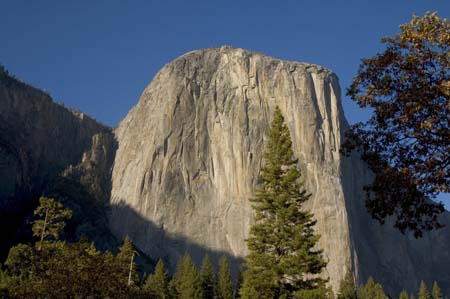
[189, 154]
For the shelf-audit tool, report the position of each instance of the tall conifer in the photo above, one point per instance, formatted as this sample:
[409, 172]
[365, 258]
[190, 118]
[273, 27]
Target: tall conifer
[423, 291]
[224, 284]
[186, 281]
[238, 286]
[371, 290]
[207, 278]
[157, 284]
[51, 216]
[127, 268]
[404, 295]
[436, 292]
[347, 288]
[283, 258]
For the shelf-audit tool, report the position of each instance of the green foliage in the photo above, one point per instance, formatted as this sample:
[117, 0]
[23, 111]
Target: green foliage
[406, 141]
[157, 284]
[283, 256]
[404, 295]
[207, 279]
[4, 282]
[423, 291]
[436, 291]
[347, 289]
[239, 282]
[123, 265]
[316, 293]
[89, 214]
[224, 284]
[21, 260]
[62, 270]
[79, 270]
[257, 285]
[186, 281]
[51, 216]
[371, 290]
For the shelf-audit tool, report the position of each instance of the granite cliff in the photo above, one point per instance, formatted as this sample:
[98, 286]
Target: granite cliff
[177, 172]
[189, 154]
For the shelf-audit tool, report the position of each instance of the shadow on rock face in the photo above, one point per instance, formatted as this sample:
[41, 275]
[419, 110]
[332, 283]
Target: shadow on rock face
[158, 241]
[397, 261]
[84, 188]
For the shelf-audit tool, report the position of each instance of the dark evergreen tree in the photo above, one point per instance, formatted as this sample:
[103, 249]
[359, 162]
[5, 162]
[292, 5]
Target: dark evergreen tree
[127, 268]
[186, 281]
[175, 282]
[347, 289]
[423, 291]
[51, 216]
[239, 282]
[404, 295]
[283, 258]
[157, 284]
[371, 290]
[224, 283]
[207, 278]
[436, 292]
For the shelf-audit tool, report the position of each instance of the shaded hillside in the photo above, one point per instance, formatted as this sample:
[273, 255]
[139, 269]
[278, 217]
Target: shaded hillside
[41, 142]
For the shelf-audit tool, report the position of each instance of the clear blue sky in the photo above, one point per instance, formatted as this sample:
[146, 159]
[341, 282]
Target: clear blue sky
[98, 56]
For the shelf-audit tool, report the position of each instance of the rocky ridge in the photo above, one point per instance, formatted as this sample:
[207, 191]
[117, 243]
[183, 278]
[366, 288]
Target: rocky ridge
[44, 148]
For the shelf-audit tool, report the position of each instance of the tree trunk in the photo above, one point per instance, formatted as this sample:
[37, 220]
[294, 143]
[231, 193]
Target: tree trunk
[43, 229]
[131, 269]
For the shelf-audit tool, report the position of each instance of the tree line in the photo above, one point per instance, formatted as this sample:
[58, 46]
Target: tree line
[51, 268]
[373, 290]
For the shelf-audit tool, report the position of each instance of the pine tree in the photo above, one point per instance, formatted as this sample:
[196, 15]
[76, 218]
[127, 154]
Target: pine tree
[62, 270]
[404, 295]
[423, 291]
[347, 288]
[51, 216]
[157, 284]
[371, 290]
[126, 262]
[283, 256]
[224, 284]
[436, 292]
[239, 282]
[207, 278]
[186, 281]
